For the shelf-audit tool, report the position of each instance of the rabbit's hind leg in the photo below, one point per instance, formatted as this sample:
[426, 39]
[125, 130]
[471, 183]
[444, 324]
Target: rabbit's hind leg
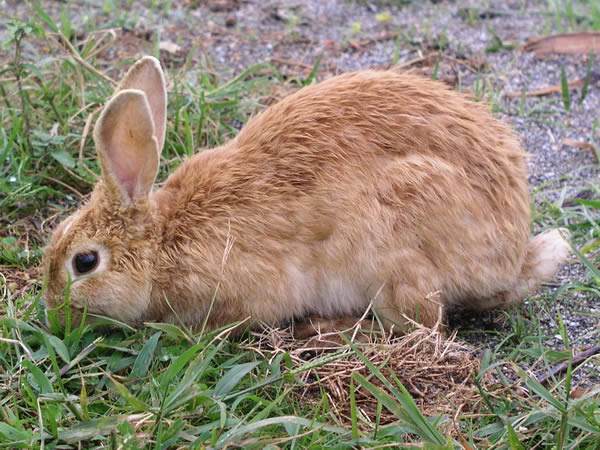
[315, 325]
[406, 305]
[397, 305]
[545, 252]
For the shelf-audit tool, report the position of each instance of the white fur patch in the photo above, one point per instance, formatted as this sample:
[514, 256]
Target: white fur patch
[340, 296]
[328, 295]
[549, 250]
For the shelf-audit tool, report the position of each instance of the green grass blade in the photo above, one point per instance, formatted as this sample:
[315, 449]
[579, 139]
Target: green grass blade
[267, 381]
[353, 411]
[587, 263]
[39, 377]
[256, 426]
[169, 329]
[513, 439]
[313, 72]
[18, 324]
[177, 366]
[60, 348]
[133, 401]
[231, 379]
[386, 400]
[591, 203]
[45, 18]
[144, 358]
[84, 431]
[588, 77]
[541, 391]
[196, 367]
[410, 411]
[564, 85]
[585, 425]
[65, 20]
[13, 435]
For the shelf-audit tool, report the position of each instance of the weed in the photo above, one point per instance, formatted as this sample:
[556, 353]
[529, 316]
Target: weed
[495, 44]
[588, 77]
[564, 85]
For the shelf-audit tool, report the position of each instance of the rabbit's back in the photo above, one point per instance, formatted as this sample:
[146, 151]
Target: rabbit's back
[407, 138]
[406, 143]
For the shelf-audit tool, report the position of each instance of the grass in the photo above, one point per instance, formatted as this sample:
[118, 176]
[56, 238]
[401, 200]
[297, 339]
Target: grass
[166, 387]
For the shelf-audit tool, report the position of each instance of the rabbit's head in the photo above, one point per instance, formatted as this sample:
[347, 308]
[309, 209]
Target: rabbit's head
[101, 257]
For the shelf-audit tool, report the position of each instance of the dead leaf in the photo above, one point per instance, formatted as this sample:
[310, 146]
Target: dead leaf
[358, 45]
[383, 17]
[578, 43]
[594, 78]
[578, 393]
[465, 443]
[169, 47]
[582, 145]
[578, 144]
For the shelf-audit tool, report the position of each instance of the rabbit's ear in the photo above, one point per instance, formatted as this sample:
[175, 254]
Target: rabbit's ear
[146, 75]
[127, 146]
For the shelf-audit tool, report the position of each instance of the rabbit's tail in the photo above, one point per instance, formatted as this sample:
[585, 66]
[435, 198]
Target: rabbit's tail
[545, 252]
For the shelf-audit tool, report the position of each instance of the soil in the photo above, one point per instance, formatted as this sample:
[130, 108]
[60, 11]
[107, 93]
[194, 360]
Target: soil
[442, 37]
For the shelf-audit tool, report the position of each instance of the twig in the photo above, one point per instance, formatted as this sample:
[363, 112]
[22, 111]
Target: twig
[290, 63]
[86, 351]
[97, 48]
[408, 63]
[65, 185]
[18, 70]
[556, 88]
[86, 130]
[21, 344]
[577, 359]
[82, 61]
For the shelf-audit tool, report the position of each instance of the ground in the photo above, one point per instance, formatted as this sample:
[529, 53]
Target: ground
[477, 47]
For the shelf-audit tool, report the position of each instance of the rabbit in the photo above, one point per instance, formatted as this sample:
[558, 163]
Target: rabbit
[372, 188]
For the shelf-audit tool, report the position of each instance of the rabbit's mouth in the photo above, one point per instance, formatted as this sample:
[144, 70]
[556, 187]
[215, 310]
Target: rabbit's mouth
[78, 317]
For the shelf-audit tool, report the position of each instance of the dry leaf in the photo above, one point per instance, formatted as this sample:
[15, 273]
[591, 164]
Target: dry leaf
[583, 145]
[578, 393]
[578, 43]
[578, 144]
[169, 47]
[594, 78]
[465, 443]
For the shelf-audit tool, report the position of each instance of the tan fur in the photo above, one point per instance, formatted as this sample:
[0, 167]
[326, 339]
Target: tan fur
[369, 186]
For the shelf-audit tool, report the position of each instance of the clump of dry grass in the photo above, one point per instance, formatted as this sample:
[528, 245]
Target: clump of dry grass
[438, 371]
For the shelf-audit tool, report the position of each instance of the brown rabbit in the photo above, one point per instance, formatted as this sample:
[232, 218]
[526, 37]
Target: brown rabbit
[371, 186]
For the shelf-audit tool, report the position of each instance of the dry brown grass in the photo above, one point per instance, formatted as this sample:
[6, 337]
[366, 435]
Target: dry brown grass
[438, 371]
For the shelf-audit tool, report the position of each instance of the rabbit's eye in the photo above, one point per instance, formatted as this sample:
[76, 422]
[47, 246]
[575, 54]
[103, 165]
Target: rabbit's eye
[85, 262]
